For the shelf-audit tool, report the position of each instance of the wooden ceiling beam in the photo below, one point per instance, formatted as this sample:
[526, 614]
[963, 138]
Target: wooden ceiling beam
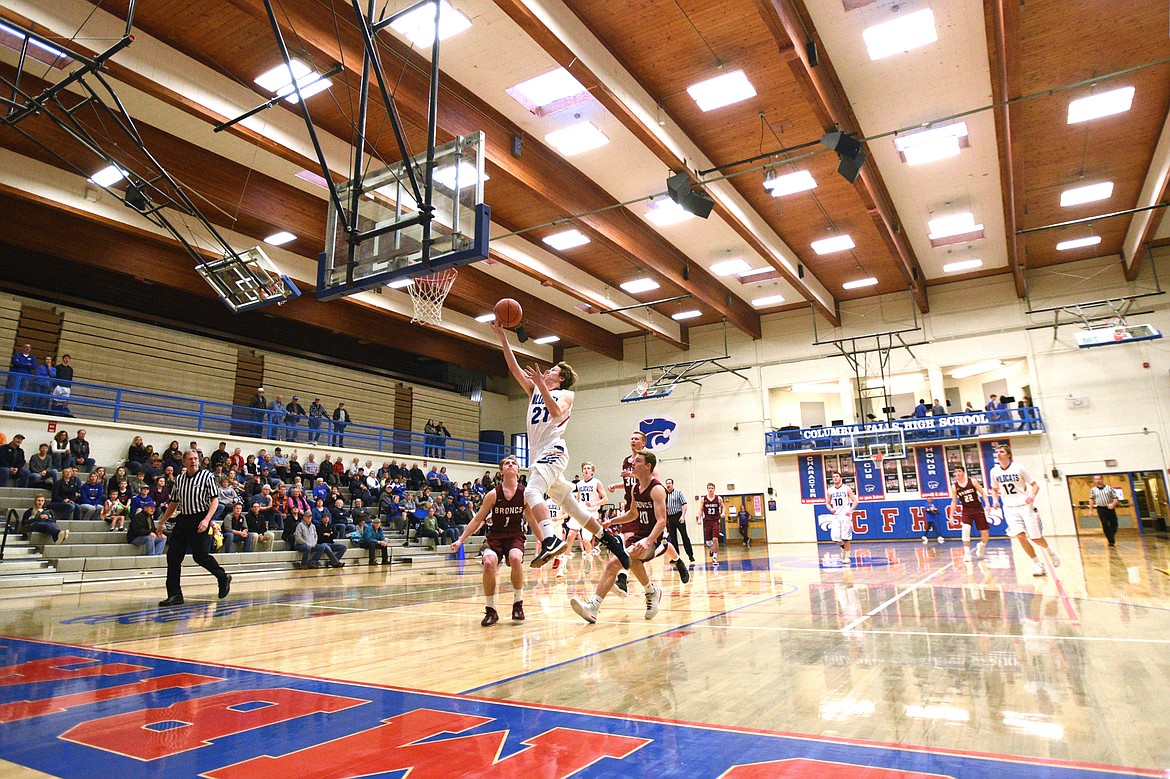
[792, 27]
[1002, 22]
[560, 51]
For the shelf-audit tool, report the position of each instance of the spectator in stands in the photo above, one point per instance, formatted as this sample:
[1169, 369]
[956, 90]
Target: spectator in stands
[415, 477]
[429, 527]
[41, 470]
[172, 455]
[67, 494]
[235, 530]
[79, 453]
[354, 467]
[228, 496]
[298, 502]
[138, 457]
[41, 384]
[374, 540]
[1026, 417]
[358, 489]
[433, 477]
[305, 542]
[338, 471]
[39, 519]
[320, 489]
[341, 420]
[262, 537]
[921, 409]
[236, 461]
[220, 456]
[310, 468]
[339, 517]
[358, 513]
[115, 511]
[429, 448]
[280, 464]
[64, 373]
[59, 401]
[937, 409]
[140, 496]
[276, 412]
[154, 468]
[23, 366]
[259, 406]
[317, 416]
[160, 493]
[13, 466]
[328, 535]
[293, 414]
[93, 497]
[143, 530]
[441, 436]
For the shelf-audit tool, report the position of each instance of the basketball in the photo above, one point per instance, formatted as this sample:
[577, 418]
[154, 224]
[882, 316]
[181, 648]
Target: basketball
[508, 313]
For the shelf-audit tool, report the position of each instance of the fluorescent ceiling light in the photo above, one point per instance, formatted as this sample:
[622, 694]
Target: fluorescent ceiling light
[548, 339]
[858, 283]
[933, 144]
[418, 26]
[566, 239]
[728, 267]
[952, 225]
[108, 176]
[1086, 194]
[789, 183]
[55, 53]
[639, 285]
[577, 138]
[1115, 101]
[974, 369]
[485, 318]
[722, 90]
[817, 389]
[768, 300]
[280, 239]
[902, 33]
[546, 89]
[310, 85]
[467, 176]
[681, 315]
[838, 243]
[279, 81]
[1078, 243]
[664, 211]
[400, 283]
[962, 265]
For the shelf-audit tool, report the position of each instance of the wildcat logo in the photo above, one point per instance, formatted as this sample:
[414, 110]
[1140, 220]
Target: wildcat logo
[659, 432]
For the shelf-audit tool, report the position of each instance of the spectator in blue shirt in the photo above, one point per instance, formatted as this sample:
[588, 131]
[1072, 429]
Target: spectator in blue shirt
[42, 384]
[23, 366]
[921, 409]
[374, 540]
[93, 496]
[276, 414]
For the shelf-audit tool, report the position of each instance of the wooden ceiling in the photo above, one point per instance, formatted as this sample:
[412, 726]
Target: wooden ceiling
[637, 58]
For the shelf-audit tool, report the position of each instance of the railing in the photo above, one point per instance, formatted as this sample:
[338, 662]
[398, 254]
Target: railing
[916, 429]
[34, 394]
[11, 522]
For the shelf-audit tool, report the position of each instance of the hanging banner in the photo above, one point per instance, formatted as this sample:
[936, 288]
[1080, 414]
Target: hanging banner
[871, 485]
[932, 471]
[812, 478]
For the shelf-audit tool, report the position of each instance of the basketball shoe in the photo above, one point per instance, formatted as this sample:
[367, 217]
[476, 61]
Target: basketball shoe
[653, 598]
[518, 611]
[614, 544]
[623, 584]
[586, 609]
[490, 617]
[683, 574]
[549, 548]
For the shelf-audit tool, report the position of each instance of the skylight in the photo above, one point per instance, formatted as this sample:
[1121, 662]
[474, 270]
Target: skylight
[664, 211]
[789, 183]
[278, 81]
[1115, 101]
[567, 239]
[400, 283]
[933, 144]
[953, 225]
[280, 239]
[902, 33]
[467, 176]
[577, 138]
[837, 243]
[546, 89]
[485, 318]
[722, 90]
[962, 265]
[728, 267]
[1087, 194]
[639, 285]
[418, 26]
[108, 176]
[767, 300]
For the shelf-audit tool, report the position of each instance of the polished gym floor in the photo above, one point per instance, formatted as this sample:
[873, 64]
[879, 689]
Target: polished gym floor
[781, 662]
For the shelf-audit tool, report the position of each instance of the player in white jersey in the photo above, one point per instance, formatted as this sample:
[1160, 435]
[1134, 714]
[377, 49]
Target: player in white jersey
[841, 500]
[550, 401]
[1014, 489]
[590, 493]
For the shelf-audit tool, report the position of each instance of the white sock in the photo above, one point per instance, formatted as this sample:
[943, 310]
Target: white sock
[491, 601]
[546, 527]
[517, 596]
[966, 535]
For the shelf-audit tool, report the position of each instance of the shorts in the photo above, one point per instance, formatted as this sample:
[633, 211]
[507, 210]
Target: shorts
[548, 469]
[976, 518]
[502, 546]
[575, 525]
[711, 529]
[841, 528]
[1023, 519]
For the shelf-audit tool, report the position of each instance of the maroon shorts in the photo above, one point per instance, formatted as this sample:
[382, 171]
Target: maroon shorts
[711, 530]
[505, 544]
[976, 518]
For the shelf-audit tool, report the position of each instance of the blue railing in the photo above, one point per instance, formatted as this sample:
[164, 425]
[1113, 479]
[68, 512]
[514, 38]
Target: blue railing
[916, 429]
[35, 394]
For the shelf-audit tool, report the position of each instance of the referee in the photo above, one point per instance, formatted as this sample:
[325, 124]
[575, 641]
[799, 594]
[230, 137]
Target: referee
[676, 515]
[194, 498]
[1105, 499]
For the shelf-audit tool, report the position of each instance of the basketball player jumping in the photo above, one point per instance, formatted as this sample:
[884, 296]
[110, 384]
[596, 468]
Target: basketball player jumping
[967, 493]
[1014, 489]
[503, 510]
[647, 517]
[841, 500]
[550, 403]
[711, 515]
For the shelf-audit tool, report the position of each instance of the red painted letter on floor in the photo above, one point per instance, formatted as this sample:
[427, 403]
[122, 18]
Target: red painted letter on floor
[53, 670]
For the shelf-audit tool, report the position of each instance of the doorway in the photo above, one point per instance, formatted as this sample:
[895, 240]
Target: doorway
[733, 506]
[1143, 503]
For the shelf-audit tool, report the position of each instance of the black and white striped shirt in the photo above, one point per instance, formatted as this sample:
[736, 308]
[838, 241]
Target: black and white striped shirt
[675, 501]
[1103, 496]
[194, 493]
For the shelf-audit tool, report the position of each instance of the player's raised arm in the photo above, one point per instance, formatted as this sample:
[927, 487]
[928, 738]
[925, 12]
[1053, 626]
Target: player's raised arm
[510, 358]
[485, 508]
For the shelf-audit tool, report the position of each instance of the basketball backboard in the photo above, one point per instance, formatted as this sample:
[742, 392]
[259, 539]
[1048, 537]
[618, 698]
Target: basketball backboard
[388, 246]
[879, 444]
[248, 280]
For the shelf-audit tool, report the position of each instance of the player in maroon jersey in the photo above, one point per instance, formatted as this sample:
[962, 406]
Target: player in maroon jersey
[503, 510]
[968, 494]
[711, 515]
[647, 516]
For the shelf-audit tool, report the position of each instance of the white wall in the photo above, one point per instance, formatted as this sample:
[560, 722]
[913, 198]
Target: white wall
[721, 424]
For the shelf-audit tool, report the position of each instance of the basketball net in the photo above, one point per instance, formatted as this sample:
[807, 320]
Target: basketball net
[877, 457]
[428, 292]
[643, 387]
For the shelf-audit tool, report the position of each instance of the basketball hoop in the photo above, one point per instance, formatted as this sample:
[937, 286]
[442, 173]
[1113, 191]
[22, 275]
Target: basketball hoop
[877, 458]
[428, 292]
[643, 387]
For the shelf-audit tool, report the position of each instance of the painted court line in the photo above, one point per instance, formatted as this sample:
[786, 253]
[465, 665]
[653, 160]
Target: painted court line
[932, 634]
[880, 607]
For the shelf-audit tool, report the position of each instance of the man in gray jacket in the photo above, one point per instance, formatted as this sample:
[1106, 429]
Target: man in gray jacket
[305, 542]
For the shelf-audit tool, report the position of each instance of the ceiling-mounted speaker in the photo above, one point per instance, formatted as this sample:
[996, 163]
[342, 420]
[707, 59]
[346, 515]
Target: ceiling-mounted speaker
[799, 270]
[814, 57]
[850, 167]
[678, 187]
[842, 143]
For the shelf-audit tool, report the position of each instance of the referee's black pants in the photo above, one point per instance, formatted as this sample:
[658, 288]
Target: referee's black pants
[676, 527]
[1108, 523]
[187, 538]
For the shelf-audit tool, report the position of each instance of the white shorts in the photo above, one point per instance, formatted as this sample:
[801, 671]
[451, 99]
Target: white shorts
[841, 527]
[1023, 519]
[586, 536]
[548, 469]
